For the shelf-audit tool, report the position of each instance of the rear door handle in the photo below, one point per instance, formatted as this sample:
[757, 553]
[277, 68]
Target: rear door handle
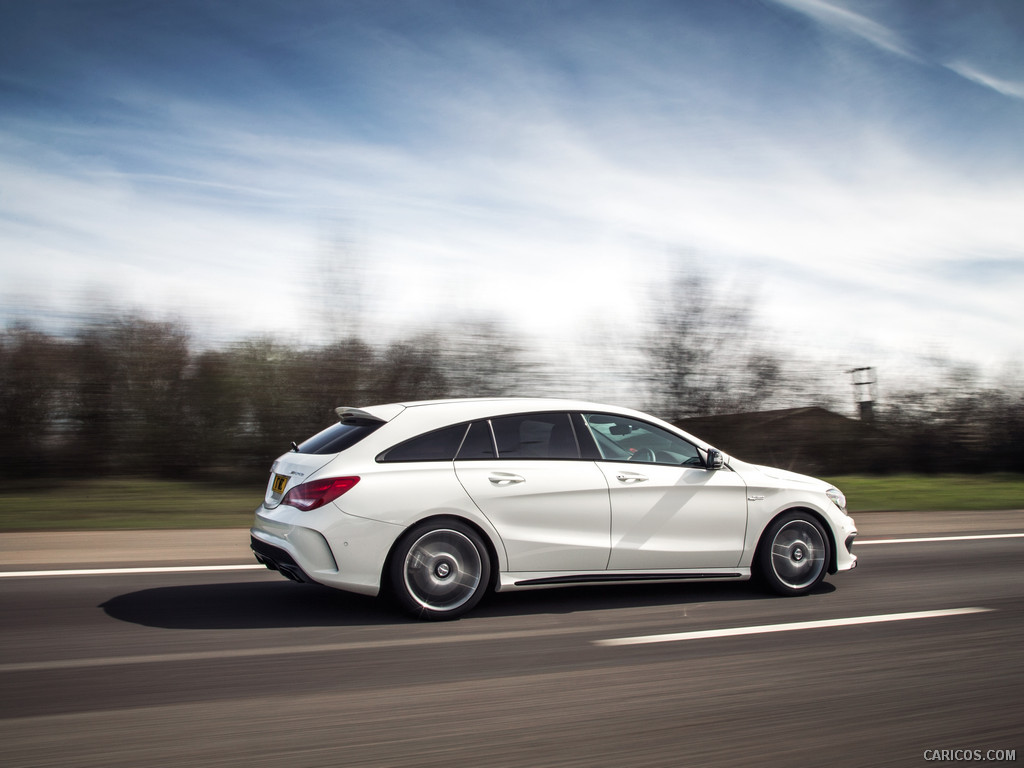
[502, 479]
[631, 477]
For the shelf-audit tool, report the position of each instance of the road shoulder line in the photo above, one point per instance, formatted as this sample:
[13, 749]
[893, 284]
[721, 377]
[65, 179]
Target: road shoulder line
[792, 627]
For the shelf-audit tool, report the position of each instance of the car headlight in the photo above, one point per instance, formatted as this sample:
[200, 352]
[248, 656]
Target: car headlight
[837, 498]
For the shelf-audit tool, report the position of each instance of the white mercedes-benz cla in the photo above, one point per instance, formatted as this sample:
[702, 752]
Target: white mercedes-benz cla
[441, 501]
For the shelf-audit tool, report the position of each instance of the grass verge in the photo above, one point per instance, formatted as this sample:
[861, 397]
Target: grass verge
[127, 503]
[932, 492]
[131, 503]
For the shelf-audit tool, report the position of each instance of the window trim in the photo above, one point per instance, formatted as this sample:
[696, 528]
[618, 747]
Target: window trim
[490, 431]
[587, 446]
[585, 436]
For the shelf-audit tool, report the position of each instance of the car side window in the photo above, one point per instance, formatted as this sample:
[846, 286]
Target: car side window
[620, 438]
[535, 436]
[439, 445]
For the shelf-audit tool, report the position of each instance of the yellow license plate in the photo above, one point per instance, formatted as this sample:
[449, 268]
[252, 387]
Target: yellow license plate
[280, 481]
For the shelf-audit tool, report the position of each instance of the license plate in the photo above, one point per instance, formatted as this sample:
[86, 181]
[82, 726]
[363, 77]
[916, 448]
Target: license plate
[280, 481]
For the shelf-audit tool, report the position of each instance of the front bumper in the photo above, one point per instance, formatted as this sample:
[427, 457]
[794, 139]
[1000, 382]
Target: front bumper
[845, 560]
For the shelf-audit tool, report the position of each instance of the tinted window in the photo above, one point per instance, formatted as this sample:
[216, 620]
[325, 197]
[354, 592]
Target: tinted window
[439, 445]
[337, 437]
[622, 439]
[479, 444]
[535, 436]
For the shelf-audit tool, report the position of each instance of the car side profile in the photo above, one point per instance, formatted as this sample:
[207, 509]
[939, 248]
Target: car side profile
[439, 502]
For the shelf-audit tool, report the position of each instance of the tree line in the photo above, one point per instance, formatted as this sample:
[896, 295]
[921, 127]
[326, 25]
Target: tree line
[130, 395]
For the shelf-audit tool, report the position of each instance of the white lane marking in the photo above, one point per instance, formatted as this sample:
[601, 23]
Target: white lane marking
[290, 651]
[923, 539]
[768, 628]
[407, 642]
[117, 571]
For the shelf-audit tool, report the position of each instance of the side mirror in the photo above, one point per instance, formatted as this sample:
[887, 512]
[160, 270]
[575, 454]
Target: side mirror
[715, 459]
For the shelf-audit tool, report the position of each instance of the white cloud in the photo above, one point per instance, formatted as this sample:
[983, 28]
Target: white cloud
[550, 237]
[840, 19]
[497, 195]
[1011, 88]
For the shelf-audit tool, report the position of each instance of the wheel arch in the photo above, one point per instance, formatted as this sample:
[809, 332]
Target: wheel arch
[492, 550]
[832, 566]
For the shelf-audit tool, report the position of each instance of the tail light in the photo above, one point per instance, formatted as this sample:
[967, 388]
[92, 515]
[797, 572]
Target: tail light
[316, 493]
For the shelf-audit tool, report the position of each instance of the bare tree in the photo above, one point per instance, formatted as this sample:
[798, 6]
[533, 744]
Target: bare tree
[700, 361]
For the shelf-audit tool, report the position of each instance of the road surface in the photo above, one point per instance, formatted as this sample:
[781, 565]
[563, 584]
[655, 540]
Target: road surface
[919, 649]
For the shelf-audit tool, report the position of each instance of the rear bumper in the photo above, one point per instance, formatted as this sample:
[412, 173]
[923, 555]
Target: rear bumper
[325, 547]
[277, 559]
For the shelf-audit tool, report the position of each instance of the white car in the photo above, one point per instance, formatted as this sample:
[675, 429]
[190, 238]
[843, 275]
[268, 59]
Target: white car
[442, 501]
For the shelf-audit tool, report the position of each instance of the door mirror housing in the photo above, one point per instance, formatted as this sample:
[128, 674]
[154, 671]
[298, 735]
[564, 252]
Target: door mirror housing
[716, 459]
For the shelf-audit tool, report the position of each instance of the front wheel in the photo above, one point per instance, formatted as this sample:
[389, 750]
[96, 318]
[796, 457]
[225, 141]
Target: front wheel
[793, 555]
[440, 570]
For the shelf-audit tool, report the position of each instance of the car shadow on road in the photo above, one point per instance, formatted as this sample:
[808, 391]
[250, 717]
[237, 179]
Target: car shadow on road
[270, 605]
[249, 605]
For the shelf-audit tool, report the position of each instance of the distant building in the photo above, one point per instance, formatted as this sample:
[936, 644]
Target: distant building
[810, 440]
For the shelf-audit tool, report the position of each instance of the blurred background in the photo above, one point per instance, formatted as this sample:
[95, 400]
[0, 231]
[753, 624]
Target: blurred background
[792, 227]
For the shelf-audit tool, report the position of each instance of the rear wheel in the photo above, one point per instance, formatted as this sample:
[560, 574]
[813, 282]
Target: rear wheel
[793, 556]
[440, 570]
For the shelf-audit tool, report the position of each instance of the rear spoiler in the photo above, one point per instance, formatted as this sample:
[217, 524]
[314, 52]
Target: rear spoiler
[360, 417]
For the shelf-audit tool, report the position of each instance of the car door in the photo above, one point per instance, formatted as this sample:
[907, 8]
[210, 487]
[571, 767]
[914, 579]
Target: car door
[668, 510]
[551, 508]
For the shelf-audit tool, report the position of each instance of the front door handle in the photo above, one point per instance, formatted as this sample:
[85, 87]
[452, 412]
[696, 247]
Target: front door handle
[631, 477]
[501, 479]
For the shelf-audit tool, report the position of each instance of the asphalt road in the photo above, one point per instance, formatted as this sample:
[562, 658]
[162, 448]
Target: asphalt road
[242, 668]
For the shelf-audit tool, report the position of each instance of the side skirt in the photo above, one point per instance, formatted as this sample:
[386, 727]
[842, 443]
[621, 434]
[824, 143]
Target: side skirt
[621, 578]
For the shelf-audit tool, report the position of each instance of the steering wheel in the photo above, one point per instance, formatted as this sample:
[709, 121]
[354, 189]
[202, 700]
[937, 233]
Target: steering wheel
[643, 455]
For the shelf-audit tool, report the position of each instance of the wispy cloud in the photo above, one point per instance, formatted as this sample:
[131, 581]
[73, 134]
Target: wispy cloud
[547, 176]
[1011, 88]
[842, 20]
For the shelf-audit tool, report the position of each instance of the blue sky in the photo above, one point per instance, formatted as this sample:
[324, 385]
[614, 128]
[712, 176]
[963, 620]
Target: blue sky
[853, 168]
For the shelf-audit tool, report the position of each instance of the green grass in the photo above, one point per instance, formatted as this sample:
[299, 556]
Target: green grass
[932, 492]
[129, 503]
[126, 503]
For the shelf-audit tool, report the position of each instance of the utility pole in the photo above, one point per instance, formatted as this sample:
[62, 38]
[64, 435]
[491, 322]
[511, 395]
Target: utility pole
[864, 392]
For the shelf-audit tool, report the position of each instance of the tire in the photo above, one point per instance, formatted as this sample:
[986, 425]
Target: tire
[794, 553]
[439, 570]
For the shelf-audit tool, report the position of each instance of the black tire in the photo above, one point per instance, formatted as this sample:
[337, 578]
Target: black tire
[439, 570]
[793, 556]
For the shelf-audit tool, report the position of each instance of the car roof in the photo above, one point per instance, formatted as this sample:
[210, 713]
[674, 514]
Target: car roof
[481, 407]
[422, 415]
[558, 403]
